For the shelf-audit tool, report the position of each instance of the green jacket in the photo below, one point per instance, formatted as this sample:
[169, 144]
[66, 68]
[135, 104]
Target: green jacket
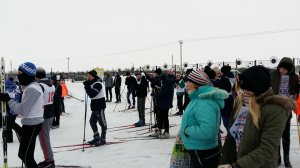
[259, 147]
[201, 119]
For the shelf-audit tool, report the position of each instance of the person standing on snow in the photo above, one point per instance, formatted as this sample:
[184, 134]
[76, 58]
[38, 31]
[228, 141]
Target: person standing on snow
[44, 135]
[141, 94]
[130, 81]
[201, 121]
[64, 93]
[117, 85]
[95, 90]
[180, 89]
[31, 111]
[257, 122]
[284, 82]
[109, 83]
[57, 102]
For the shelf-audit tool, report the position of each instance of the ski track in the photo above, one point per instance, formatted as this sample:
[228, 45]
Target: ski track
[135, 153]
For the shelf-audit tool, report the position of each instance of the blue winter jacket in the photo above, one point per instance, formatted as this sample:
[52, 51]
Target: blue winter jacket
[201, 119]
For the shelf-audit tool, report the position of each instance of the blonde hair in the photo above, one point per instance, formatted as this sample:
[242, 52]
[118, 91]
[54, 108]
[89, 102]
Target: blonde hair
[254, 109]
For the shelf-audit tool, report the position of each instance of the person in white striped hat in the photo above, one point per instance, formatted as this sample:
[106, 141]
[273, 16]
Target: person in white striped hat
[201, 121]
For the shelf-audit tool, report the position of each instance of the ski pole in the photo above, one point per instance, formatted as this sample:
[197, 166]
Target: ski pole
[75, 98]
[120, 96]
[84, 126]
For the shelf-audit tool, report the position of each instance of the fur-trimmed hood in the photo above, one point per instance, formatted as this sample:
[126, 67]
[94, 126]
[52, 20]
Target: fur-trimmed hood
[269, 98]
[209, 92]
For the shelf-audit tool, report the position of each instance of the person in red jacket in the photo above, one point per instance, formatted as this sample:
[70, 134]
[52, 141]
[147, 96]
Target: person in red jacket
[63, 94]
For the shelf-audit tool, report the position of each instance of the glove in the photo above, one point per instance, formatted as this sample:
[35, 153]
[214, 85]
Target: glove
[4, 97]
[225, 166]
[85, 83]
[152, 94]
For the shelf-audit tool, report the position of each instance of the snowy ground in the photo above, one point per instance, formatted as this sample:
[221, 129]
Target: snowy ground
[137, 153]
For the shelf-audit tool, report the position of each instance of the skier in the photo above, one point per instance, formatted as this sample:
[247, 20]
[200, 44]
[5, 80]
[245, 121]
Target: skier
[130, 81]
[31, 110]
[14, 92]
[165, 99]
[56, 101]
[155, 85]
[95, 90]
[180, 88]
[141, 94]
[64, 93]
[117, 85]
[44, 135]
[257, 122]
[108, 80]
[284, 82]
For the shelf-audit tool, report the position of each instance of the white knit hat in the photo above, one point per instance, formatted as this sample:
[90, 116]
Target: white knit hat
[198, 77]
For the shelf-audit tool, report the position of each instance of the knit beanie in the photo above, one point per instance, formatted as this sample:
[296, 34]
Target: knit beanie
[158, 71]
[93, 73]
[28, 68]
[198, 77]
[255, 79]
[226, 69]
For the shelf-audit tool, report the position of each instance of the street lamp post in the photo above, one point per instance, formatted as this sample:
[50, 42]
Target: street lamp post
[181, 42]
[68, 66]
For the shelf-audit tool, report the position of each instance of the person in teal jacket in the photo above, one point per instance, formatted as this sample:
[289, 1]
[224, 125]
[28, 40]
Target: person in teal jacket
[201, 121]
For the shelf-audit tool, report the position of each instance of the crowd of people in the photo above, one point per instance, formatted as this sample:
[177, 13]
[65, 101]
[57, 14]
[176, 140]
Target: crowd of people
[254, 104]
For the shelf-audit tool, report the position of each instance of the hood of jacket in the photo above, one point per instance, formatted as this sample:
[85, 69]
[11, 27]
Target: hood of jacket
[209, 92]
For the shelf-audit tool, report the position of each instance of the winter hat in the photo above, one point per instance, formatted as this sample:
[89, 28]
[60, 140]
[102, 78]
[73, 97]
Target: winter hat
[28, 68]
[255, 79]
[53, 77]
[217, 69]
[93, 73]
[158, 71]
[226, 69]
[198, 77]
[40, 73]
[127, 73]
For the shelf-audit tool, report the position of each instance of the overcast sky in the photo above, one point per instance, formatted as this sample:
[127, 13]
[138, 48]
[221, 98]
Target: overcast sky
[120, 33]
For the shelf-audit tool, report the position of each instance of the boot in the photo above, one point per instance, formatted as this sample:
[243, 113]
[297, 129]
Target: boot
[287, 162]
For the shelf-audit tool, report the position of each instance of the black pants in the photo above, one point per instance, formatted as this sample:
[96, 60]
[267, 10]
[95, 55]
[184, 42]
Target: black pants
[141, 107]
[108, 89]
[163, 119]
[57, 112]
[180, 103]
[27, 145]
[205, 158]
[186, 100]
[62, 104]
[98, 116]
[12, 125]
[286, 139]
[118, 95]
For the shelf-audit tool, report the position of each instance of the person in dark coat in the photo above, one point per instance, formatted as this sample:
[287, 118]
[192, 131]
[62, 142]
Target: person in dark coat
[284, 82]
[155, 83]
[165, 102]
[56, 102]
[226, 83]
[130, 81]
[141, 94]
[117, 85]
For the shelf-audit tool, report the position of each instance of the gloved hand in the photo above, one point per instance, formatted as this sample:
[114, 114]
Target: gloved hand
[225, 166]
[152, 94]
[4, 97]
[85, 83]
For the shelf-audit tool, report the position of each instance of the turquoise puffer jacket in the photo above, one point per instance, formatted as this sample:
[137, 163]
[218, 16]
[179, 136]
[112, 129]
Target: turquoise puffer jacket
[201, 119]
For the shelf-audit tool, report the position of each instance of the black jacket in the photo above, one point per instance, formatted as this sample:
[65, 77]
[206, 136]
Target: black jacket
[57, 100]
[141, 89]
[166, 93]
[96, 104]
[131, 83]
[117, 81]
